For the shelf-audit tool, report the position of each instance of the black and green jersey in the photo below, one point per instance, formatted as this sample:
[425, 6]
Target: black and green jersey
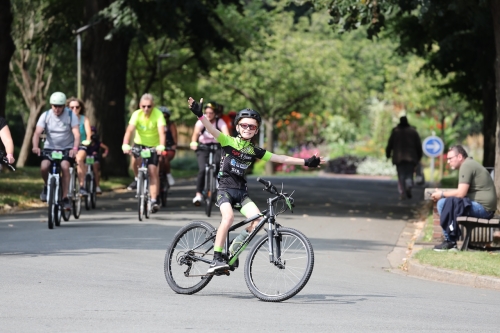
[237, 156]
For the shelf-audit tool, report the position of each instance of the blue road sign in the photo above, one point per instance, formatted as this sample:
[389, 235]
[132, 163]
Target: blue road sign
[433, 146]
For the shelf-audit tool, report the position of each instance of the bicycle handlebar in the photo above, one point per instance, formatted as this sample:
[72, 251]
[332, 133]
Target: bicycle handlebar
[4, 160]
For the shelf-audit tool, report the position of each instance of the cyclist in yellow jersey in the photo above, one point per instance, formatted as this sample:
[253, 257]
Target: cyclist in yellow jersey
[149, 126]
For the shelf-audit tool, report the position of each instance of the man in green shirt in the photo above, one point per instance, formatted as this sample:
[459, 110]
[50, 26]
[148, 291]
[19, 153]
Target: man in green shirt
[148, 124]
[475, 183]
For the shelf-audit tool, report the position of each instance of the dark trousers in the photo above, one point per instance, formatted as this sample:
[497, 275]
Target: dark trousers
[202, 156]
[405, 178]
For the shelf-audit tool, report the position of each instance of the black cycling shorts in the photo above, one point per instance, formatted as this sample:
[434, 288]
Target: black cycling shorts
[153, 160]
[236, 197]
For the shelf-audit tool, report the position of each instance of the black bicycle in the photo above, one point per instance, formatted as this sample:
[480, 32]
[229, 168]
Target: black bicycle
[278, 266]
[210, 189]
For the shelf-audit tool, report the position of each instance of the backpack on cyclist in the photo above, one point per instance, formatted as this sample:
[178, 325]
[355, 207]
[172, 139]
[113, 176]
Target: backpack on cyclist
[216, 126]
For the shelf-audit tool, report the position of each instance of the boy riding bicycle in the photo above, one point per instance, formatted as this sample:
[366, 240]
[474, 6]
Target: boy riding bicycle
[238, 154]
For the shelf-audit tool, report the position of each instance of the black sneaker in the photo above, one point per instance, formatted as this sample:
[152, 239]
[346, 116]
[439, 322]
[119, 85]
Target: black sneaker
[132, 186]
[446, 246]
[66, 204]
[217, 265]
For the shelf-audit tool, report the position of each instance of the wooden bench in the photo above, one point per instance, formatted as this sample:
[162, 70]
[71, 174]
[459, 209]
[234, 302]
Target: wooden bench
[479, 229]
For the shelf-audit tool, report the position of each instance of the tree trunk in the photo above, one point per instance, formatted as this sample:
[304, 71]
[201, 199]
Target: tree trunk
[34, 91]
[269, 143]
[489, 120]
[6, 50]
[28, 135]
[495, 11]
[104, 75]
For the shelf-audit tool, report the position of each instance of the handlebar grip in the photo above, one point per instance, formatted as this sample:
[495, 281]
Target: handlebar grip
[267, 183]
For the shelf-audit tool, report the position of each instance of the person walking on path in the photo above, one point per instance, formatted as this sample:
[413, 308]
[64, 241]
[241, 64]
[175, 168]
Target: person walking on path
[475, 196]
[406, 149]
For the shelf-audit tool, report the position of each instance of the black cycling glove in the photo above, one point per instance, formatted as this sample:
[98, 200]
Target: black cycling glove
[312, 161]
[197, 109]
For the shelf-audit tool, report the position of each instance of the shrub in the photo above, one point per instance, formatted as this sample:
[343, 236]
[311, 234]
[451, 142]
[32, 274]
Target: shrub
[344, 165]
[374, 166]
[184, 163]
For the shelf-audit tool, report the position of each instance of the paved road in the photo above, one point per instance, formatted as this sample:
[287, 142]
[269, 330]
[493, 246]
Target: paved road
[104, 272]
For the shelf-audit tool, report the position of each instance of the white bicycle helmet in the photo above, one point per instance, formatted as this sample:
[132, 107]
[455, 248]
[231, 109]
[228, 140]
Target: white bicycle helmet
[58, 98]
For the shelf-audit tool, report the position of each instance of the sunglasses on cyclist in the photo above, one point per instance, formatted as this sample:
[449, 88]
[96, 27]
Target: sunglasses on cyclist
[248, 126]
[146, 107]
[75, 107]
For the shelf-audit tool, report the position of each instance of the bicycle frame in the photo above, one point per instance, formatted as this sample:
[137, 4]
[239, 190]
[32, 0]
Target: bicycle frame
[269, 216]
[54, 172]
[90, 172]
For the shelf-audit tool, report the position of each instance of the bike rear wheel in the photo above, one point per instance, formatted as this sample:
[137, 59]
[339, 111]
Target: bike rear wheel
[184, 273]
[52, 199]
[77, 200]
[293, 266]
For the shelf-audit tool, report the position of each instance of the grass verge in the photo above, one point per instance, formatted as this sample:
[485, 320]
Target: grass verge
[482, 263]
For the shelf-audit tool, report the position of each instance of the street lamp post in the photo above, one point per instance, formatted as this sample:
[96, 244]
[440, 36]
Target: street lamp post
[159, 57]
[78, 34]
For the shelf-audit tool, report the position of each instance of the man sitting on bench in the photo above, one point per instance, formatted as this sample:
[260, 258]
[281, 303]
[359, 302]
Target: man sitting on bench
[475, 196]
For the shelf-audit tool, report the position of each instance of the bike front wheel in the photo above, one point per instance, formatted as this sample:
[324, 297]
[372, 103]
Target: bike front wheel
[52, 205]
[77, 200]
[184, 271]
[140, 196]
[93, 194]
[288, 274]
[88, 180]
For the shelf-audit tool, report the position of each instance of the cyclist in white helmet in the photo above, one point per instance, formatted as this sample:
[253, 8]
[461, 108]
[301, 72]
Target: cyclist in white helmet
[62, 132]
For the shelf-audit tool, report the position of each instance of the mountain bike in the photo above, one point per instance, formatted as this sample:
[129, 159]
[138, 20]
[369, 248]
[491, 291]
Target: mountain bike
[210, 189]
[277, 267]
[54, 187]
[90, 185]
[73, 194]
[143, 196]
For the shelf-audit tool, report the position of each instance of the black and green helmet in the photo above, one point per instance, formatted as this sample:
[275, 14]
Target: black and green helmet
[248, 113]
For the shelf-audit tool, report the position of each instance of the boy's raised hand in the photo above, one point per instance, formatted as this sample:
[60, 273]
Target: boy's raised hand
[196, 108]
[313, 161]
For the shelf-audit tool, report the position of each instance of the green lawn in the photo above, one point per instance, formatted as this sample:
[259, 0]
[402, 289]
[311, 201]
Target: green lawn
[483, 263]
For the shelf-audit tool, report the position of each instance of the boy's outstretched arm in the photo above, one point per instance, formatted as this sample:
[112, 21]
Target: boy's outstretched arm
[312, 162]
[197, 109]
